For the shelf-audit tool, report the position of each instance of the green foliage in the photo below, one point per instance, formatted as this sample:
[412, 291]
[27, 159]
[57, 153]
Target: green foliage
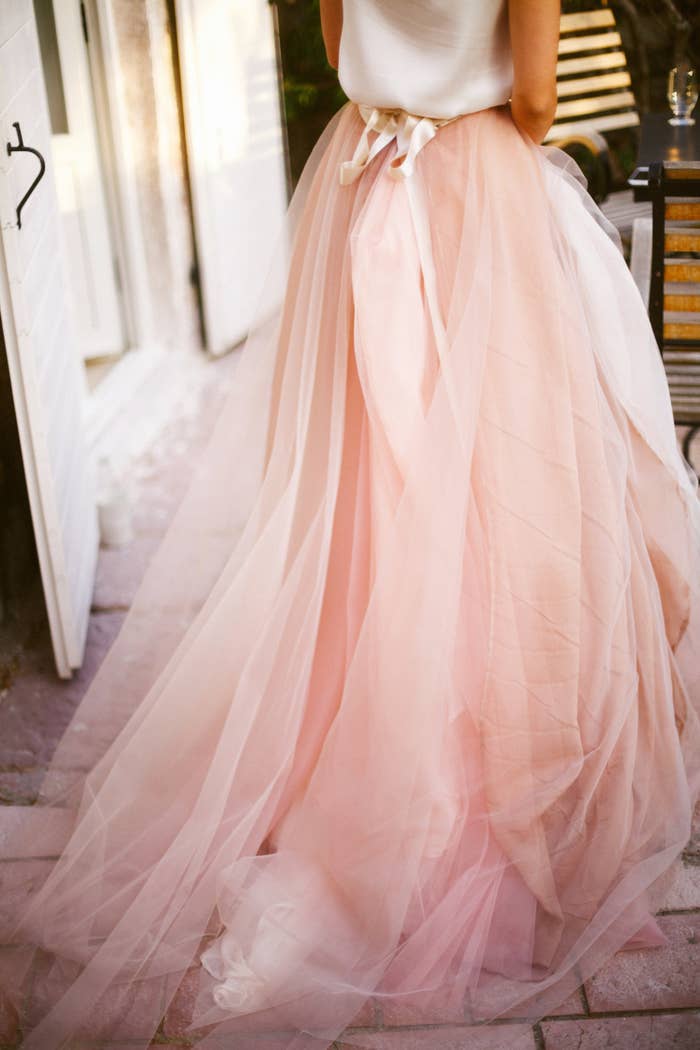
[311, 90]
[299, 98]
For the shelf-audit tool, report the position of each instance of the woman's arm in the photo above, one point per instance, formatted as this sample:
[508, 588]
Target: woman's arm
[534, 36]
[331, 25]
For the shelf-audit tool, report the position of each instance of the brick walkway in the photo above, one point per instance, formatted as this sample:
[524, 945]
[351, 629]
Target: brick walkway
[640, 1001]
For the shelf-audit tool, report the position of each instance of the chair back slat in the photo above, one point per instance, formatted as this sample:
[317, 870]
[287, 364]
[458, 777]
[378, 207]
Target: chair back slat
[591, 85]
[585, 107]
[683, 210]
[567, 67]
[682, 240]
[685, 171]
[681, 303]
[608, 122]
[683, 271]
[572, 45]
[586, 20]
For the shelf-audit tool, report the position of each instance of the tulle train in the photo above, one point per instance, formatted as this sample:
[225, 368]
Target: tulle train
[406, 706]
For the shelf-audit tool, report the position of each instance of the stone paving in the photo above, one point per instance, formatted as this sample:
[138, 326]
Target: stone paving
[641, 1000]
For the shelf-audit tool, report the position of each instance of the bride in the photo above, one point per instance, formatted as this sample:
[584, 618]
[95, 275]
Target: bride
[406, 707]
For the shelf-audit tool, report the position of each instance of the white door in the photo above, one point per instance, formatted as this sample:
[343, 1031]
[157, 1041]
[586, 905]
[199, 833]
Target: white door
[92, 267]
[235, 149]
[46, 373]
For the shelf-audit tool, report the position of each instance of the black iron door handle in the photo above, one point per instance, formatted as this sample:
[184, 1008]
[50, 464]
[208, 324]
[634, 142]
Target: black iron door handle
[21, 148]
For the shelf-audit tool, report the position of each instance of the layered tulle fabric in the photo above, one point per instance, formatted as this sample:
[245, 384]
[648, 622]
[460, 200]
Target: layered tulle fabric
[407, 704]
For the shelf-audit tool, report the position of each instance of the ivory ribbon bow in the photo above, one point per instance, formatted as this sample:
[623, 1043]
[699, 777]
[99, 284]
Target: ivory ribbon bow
[411, 132]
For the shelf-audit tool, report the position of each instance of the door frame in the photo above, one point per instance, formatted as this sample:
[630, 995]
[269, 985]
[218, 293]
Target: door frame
[119, 167]
[67, 650]
[98, 223]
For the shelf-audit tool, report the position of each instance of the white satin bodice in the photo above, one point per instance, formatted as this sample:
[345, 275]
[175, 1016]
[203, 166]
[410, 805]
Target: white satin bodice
[436, 58]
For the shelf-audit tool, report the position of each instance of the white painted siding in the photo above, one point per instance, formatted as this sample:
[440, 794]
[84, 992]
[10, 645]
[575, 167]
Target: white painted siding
[48, 382]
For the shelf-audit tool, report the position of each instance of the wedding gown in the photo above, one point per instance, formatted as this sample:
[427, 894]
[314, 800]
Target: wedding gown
[406, 706]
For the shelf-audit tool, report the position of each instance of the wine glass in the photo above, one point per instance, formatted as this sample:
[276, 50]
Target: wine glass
[682, 94]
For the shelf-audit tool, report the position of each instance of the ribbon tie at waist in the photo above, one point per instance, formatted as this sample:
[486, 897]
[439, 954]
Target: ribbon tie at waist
[411, 133]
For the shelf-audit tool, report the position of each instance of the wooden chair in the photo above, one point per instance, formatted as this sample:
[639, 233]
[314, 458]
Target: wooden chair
[593, 81]
[666, 266]
[594, 97]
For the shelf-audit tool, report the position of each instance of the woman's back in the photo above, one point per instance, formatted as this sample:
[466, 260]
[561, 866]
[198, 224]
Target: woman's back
[436, 58]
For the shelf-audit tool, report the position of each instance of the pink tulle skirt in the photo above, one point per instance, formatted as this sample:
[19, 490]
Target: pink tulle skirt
[407, 706]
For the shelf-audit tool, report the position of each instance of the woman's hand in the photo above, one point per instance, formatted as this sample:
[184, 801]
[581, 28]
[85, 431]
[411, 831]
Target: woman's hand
[534, 37]
[331, 26]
